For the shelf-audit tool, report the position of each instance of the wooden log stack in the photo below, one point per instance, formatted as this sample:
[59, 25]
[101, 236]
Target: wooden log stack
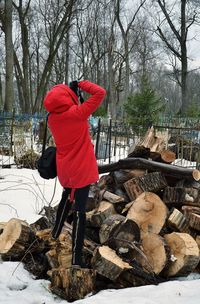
[142, 227]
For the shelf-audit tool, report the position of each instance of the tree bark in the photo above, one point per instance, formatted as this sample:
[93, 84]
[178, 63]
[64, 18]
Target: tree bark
[140, 163]
[151, 182]
[73, 284]
[9, 94]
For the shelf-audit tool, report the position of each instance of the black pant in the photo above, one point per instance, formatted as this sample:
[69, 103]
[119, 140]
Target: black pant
[80, 195]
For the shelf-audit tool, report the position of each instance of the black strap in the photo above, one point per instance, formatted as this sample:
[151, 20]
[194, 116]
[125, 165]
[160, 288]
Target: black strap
[45, 135]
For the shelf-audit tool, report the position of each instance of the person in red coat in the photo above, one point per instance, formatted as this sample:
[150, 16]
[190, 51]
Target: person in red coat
[75, 159]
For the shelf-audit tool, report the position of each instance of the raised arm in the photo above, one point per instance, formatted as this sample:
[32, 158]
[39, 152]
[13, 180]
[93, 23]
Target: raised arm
[91, 104]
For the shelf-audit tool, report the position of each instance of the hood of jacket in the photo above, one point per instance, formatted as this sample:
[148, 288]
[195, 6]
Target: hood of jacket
[59, 99]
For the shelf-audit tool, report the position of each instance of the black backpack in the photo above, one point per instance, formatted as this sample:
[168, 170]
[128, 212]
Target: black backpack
[46, 164]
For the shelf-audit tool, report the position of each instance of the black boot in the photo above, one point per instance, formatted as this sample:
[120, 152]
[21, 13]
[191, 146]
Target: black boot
[61, 215]
[78, 239]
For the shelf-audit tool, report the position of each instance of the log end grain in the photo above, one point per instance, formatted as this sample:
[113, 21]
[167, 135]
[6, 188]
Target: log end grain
[184, 254]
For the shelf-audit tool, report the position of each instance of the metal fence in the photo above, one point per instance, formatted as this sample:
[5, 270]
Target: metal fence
[112, 139]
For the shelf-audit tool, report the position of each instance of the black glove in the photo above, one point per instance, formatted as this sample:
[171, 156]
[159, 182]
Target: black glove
[80, 97]
[74, 86]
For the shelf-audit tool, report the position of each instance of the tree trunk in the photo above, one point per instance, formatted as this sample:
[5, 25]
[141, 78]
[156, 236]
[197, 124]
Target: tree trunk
[140, 163]
[184, 67]
[9, 95]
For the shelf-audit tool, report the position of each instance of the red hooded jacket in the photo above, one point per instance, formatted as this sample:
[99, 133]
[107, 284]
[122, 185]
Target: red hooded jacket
[68, 122]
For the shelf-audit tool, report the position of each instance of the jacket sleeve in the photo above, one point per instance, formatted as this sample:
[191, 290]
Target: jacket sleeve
[91, 104]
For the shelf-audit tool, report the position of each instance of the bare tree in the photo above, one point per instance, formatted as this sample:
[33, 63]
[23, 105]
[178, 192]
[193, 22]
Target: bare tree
[9, 96]
[57, 18]
[178, 29]
[25, 71]
[125, 36]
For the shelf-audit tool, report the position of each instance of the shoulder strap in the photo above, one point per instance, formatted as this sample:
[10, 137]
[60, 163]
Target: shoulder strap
[45, 135]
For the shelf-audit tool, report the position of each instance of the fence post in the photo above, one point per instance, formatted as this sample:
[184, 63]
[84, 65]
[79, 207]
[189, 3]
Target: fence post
[98, 136]
[110, 140]
[11, 132]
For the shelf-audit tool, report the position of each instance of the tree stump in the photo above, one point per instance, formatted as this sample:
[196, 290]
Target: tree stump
[151, 182]
[73, 284]
[15, 238]
[107, 263]
[149, 212]
[184, 253]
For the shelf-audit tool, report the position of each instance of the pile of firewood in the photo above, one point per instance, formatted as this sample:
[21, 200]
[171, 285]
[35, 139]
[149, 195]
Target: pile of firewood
[143, 227]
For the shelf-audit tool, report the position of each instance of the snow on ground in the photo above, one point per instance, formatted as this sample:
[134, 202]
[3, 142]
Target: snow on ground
[19, 286]
[22, 195]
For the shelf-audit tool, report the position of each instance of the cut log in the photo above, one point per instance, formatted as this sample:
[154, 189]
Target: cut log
[136, 276]
[149, 212]
[179, 196]
[122, 176]
[122, 193]
[165, 156]
[156, 252]
[121, 235]
[111, 197]
[184, 183]
[151, 182]
[107, 263]
[177, 221]
[139, 151]
[104, 210]
[93, 198]
[106, 182]
[140, 163]
[184, 253]
[194, 220]
[72, 284]
[15, 238]
[190, 209]
[117, 226]
[149, 138]
[108, 225]
[37, 264]
[41, 224]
